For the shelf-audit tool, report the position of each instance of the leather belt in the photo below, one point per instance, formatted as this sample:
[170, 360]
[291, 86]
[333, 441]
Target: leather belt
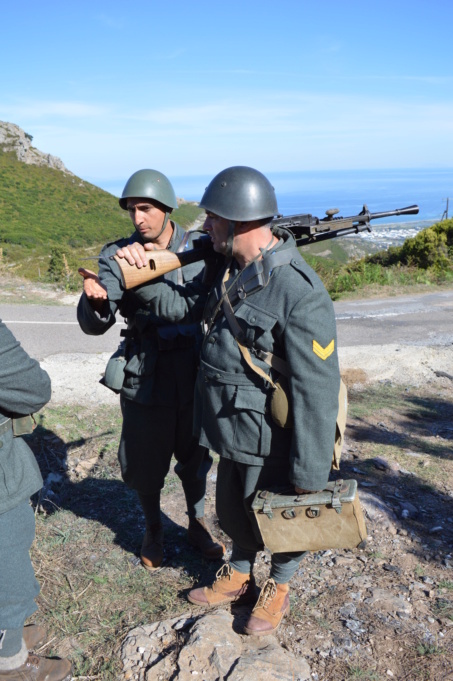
[5, 426]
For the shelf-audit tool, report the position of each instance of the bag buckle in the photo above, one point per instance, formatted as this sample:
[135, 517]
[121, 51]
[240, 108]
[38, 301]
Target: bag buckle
[336, 501]
[267, 503]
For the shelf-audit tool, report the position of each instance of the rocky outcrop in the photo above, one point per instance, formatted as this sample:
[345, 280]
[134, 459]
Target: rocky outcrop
[13, 138]
[207, 648]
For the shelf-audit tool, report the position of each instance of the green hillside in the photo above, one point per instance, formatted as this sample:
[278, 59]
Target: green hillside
[45, 212]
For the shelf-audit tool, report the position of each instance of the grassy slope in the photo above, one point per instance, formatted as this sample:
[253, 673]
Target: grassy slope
[42, 208]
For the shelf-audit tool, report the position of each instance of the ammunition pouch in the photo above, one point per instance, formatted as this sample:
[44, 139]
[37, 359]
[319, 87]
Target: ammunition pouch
[114, 371]
[330, 519]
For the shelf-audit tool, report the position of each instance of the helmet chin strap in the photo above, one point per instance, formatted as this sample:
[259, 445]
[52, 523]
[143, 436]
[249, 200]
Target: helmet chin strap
[230, 237]
[166, 218]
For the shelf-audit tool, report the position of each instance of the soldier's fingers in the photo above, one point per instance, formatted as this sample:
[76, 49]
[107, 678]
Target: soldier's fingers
[86, 273]
[134, 254]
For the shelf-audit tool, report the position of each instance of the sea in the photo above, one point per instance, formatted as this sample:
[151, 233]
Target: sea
[349, 190]
[315, 191]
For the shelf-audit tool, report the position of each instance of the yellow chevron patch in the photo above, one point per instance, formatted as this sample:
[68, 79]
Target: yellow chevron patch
[323, 353]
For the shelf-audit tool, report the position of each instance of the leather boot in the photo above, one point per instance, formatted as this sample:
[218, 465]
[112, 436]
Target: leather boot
[199, 536]
[272, 605]
[34, 635]
[37, 668]
[230, 586]
[152, 552]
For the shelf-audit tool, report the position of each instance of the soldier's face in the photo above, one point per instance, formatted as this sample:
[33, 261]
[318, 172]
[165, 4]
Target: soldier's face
[217, 228]
[147, 217]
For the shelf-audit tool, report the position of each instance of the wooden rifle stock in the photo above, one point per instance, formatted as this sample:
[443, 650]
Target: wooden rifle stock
[159, 263]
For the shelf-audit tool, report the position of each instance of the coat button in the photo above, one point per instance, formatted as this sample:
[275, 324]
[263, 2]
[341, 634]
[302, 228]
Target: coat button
[253, 319]
[217, 375]
[212, 339]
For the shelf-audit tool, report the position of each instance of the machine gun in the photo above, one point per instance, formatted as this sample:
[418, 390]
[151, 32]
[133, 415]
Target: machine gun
[305, 228]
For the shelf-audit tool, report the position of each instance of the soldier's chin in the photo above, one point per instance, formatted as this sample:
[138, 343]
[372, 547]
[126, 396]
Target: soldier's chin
[220, 247]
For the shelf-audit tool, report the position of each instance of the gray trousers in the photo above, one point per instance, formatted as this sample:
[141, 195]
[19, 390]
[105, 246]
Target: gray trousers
[236, 487]
[149, 438]
[18, 585]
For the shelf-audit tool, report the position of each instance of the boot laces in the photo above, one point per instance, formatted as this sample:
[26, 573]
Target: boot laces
[33, 661]
[267, 593]
[225, 571]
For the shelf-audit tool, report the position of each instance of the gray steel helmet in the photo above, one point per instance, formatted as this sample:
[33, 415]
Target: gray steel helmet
[240, 194]
[149, 184]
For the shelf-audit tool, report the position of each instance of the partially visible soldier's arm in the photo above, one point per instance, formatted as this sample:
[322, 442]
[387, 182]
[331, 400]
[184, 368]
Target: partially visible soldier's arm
[101, 297]
[24, 386]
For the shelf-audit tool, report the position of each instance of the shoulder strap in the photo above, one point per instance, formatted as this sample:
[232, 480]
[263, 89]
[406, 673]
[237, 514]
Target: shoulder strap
[181, 247]
[238, 334]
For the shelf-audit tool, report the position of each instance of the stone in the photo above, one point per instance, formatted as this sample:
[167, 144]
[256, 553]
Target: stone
[269, 662]
[385, 465]
[386, 601]
[375, 508]
[206, 648]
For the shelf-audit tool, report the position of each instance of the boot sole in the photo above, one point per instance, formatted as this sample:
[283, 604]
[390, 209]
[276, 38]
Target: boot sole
[267, 632]
[242, 600]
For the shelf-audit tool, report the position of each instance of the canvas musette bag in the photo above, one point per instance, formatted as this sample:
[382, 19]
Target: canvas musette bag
[330, 519]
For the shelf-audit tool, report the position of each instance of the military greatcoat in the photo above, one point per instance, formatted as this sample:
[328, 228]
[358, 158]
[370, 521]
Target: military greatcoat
[24, 389]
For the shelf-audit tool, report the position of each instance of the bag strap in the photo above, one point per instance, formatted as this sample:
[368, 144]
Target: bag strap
[238, 332]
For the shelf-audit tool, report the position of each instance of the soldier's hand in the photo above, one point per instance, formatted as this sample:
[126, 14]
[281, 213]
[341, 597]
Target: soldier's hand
[94, 290]
[135, 254]
[299, 490]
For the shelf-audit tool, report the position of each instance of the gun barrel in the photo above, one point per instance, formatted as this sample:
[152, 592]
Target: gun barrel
[409, 210]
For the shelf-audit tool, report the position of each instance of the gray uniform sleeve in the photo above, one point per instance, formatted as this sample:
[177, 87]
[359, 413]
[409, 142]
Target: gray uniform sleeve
[24, 386]
[175, 303]
[311, 352]
[90, 321]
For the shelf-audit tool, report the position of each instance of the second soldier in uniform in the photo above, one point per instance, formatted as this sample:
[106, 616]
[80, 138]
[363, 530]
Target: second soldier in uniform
[161, 364]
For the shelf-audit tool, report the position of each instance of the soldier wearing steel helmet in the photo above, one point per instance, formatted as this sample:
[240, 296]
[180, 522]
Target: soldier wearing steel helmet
[161, 361]
[267, 298]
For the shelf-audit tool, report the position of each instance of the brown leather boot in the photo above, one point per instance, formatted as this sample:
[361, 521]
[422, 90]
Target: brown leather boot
[37, 668]
[199, 536]
[34, 635]
[230, 586]
[272, 605]
[152, 552]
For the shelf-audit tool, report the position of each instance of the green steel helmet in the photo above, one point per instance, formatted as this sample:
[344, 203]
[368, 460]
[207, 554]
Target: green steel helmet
[241, 194]
[149, 184]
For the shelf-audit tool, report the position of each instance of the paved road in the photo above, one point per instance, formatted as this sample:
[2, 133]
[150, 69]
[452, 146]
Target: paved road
[46, 330]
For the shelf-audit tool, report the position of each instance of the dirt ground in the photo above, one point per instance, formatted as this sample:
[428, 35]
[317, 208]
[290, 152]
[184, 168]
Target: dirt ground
[385, 611]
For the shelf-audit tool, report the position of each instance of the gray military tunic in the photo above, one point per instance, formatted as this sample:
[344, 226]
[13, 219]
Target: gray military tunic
[24, 389]
[162, 360]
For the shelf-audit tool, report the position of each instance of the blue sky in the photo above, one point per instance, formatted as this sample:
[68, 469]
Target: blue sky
[190, 88]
